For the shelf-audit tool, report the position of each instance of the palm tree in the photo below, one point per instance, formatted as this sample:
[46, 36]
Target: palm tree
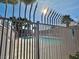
[16, 1]
[66, 20]
[28, 1]
[19, 23]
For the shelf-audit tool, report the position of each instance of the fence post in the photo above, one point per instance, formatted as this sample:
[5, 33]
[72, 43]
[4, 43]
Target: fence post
[37, 36]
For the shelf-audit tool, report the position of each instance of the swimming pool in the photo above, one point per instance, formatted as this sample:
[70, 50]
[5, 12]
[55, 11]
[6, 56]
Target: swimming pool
[46, 39]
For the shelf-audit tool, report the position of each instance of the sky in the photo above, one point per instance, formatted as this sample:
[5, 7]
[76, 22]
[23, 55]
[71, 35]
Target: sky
[69, 7]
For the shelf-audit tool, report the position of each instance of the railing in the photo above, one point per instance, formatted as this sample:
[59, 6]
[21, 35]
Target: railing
[24, 38]
[19, 43]
[55, 42]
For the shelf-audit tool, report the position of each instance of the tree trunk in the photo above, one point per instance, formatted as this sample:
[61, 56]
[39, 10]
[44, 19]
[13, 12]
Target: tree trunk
[67, 25]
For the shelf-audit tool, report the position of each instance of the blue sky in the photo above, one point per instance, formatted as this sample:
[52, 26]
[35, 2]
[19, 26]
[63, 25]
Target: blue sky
[70, 7]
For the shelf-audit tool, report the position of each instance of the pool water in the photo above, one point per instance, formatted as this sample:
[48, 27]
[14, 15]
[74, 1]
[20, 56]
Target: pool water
[51, 40]
[47, 40]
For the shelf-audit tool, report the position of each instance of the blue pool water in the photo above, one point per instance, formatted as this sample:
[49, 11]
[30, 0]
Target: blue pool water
[48, 40]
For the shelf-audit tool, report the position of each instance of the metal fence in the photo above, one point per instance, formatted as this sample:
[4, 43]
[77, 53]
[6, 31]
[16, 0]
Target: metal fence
[22, 38]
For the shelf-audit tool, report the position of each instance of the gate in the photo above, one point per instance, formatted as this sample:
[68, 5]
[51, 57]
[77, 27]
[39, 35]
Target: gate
[21, 38]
